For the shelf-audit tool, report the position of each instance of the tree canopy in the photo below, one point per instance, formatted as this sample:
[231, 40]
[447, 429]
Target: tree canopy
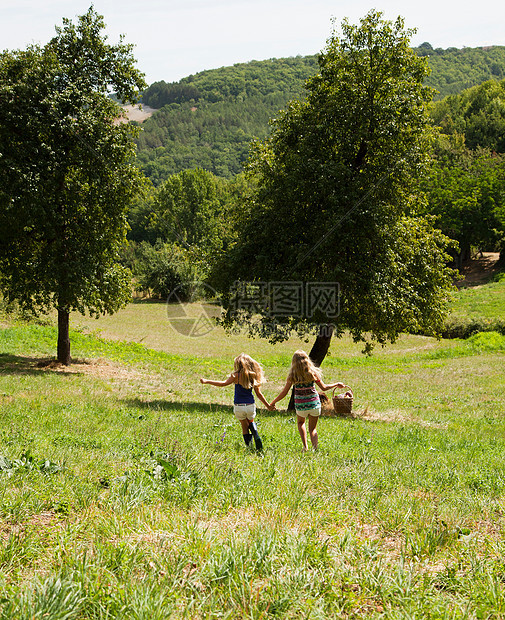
[337, 195]
[190, 209]
[465, 189]
[67, 172]
[465, 185]
[478, 113]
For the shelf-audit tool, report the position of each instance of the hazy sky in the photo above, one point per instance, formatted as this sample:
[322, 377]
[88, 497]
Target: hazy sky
[175, 38]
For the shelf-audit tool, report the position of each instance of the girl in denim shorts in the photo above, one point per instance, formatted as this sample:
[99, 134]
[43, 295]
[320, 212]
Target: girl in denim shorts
[247, 376]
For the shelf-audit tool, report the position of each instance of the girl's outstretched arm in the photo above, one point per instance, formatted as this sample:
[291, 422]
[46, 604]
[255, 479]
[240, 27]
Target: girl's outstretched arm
[257, 389]
[283, 393]
[330, 386]
[231, 379]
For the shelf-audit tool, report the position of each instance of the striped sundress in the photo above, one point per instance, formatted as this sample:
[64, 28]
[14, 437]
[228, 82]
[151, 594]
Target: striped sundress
[306, 396]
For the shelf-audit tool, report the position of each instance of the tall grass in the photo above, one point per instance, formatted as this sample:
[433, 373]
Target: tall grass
[126, 490]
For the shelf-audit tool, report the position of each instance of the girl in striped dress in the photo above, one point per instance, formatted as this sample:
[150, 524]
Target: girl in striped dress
[304, 375]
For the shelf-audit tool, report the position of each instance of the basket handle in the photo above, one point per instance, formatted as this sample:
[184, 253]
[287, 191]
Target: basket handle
[345, 386]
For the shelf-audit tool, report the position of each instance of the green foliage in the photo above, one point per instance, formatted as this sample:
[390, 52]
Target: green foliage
[466, 183]
[466, 193]
[160, 94]
[67, 171]
[488, 341]
[183, 226]
[464, 327]
[478, 113]
[191, 209]
[337, 189]
[139, 215]
[262, 79]
[26, 462]
[214, 136]
[162, 267]
[454, 70]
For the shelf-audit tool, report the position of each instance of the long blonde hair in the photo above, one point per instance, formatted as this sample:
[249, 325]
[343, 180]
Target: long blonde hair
[303, 369]
[249, 371]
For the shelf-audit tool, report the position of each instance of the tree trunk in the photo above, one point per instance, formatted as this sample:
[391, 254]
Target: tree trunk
[321, 345]
[501, 260]
[464, 255]
[317, 353]
[63, 338]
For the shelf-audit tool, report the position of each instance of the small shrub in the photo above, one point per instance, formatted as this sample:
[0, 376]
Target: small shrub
[489, 341]
[462, 327]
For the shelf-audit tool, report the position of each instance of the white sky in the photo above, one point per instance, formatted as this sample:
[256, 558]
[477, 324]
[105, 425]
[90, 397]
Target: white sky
[175, 38]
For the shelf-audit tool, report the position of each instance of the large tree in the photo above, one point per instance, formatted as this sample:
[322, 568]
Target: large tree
[337, 200]
[67, 172]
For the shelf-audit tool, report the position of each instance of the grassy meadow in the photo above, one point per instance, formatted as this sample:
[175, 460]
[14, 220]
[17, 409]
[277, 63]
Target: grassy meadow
[127, 492]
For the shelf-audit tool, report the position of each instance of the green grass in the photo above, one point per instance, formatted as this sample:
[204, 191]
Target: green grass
[484, 301]
[126, 491]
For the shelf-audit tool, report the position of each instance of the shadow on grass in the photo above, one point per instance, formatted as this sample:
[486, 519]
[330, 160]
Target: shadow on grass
[168, 405]
[147, 301]
[22, 365]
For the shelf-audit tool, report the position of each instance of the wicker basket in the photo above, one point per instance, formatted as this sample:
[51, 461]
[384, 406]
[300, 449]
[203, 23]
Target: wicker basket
[342, 404]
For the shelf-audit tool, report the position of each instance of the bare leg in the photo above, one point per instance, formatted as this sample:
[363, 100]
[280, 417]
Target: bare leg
[303, 431]
[245, 431]
[245, 426]
[312, 430]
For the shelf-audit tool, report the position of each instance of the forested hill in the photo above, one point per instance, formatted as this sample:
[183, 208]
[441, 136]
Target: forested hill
[209, 119]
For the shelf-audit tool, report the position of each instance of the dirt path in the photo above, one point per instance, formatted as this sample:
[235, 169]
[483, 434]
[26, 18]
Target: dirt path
[479, 270]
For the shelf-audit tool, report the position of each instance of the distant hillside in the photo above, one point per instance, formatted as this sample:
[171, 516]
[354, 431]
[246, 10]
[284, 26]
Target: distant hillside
[454, 70]
[208, 120]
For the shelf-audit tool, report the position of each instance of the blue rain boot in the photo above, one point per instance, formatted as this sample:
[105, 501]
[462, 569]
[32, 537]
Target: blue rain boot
[257, 439]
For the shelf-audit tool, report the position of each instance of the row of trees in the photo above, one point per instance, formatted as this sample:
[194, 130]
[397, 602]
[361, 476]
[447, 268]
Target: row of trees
[210, 119]
[180, 228]
[239, 82]
[465, 185]
[215, 137]
[331, 196]
[454, 70]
